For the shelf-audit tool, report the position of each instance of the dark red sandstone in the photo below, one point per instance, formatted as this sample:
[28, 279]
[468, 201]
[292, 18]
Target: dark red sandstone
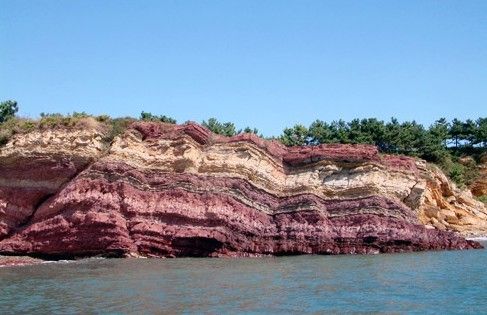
[114, 209]
[39, 178]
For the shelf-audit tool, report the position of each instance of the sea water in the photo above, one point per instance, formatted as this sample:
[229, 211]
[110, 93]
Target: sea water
[446, 282]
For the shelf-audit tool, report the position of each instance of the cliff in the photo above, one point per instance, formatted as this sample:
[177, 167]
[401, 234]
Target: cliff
[479, 186]
[162, 190]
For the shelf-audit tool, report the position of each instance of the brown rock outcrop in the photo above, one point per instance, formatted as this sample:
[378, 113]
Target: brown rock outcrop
[11, 261]
[446, 207]
[167, 191]
[479, 186]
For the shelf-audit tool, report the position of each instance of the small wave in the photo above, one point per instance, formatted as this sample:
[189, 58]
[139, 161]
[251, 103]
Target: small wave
[66, 261]
[57, 261]
[477, 238]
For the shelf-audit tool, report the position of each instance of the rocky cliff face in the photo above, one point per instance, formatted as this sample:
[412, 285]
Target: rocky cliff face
[446, 207]
[166, 191]
[35, 166]
[479, 187]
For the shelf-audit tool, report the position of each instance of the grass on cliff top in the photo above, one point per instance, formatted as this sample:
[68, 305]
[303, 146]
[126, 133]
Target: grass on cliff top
[441, 144]
[111, 127]
[14, 126]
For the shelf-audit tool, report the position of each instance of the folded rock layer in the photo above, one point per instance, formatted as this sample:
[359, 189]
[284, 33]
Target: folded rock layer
[162, 190]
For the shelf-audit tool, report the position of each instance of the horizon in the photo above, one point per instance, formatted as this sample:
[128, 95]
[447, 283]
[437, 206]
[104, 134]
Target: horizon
[253, 64]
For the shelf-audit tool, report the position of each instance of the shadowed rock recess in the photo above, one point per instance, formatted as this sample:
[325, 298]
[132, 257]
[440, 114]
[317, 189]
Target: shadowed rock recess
[162, 190]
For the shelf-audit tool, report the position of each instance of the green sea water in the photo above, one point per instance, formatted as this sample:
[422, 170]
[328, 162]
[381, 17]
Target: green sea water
[449, 282]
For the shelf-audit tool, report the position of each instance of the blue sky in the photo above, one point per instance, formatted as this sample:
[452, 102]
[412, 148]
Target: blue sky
[267, 64]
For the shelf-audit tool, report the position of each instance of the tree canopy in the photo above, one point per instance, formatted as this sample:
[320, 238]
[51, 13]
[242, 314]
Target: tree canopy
[443, 142]
[409, 137]
[8, 109]
[225, 129]
[162, 118]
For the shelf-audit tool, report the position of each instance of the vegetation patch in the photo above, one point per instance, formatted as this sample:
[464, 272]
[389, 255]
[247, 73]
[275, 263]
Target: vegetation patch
[483, 199]
[456, 146]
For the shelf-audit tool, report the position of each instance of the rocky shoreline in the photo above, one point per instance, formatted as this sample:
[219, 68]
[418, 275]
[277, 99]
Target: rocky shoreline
[13, 261]
[163, 190]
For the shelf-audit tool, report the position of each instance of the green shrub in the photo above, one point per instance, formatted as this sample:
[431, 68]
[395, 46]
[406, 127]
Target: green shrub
[80, 115]
[162, 118]
[103, 118]
[225, 129]
[5, 136]
[483, 199]
[457, 174]
[463, 174]
[117, 127]
[13, 126]
[55, 121]
[8, 109]
[43, 115]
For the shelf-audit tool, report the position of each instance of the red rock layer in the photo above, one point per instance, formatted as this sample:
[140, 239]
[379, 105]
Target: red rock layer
[27, 182]
[117, 210]
[292, 156]
[170, 191]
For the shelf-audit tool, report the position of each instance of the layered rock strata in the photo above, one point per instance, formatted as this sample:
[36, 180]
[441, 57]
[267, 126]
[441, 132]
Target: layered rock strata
[36, 165]
[446, 207]
[163, 190]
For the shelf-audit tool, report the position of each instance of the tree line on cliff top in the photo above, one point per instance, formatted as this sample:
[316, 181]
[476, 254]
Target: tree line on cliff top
[456, 146]
[445, 143]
